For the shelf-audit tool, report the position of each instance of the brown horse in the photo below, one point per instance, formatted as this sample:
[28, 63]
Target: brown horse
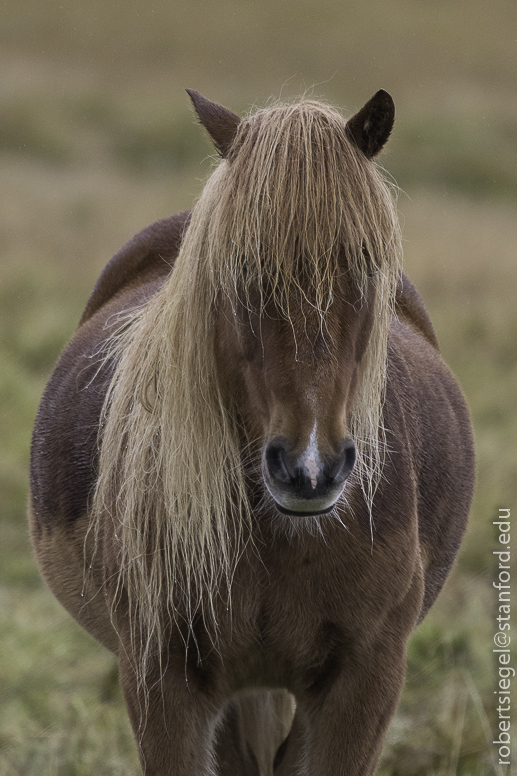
[251, 469]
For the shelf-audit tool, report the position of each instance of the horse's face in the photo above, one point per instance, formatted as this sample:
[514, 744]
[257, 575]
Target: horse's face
[295, 381]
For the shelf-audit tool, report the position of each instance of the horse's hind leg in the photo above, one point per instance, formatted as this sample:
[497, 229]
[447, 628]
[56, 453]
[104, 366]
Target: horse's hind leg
[252, 731]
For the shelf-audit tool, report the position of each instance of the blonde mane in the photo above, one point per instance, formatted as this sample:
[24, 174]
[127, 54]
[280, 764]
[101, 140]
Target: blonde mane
[293, 198]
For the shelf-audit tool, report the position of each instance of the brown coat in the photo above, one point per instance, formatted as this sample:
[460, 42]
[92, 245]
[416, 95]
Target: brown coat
[320, 613]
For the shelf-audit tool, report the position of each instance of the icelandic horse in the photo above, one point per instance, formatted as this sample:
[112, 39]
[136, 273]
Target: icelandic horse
[251, 469]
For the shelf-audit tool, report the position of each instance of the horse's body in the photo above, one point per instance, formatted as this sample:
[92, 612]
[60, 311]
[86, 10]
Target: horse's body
[320, 607]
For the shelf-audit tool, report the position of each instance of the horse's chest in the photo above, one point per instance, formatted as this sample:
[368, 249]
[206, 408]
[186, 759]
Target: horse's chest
[294, 626]
[302, 614]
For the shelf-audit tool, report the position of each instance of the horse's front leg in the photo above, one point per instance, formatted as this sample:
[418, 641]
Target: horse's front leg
[173, 721]
[346, 721]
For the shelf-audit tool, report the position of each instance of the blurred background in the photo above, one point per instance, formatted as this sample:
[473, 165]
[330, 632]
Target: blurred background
[97, 140]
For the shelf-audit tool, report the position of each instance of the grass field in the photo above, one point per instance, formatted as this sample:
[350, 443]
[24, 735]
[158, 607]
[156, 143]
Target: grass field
[97, 141]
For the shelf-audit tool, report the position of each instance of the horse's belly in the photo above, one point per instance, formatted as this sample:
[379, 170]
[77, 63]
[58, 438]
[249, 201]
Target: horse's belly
[60, 551]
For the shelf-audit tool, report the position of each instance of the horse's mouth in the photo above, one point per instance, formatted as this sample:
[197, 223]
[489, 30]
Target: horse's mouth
[295, 505]
[293, 513]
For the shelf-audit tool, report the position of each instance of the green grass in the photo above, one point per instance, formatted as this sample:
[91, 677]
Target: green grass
[97, 141]
[55, 727]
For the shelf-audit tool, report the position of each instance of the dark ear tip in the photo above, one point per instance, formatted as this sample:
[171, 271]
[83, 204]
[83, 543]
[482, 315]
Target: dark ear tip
[196, 97]
[220, 123]
[385, 94]
[371, 127]
[382, 96]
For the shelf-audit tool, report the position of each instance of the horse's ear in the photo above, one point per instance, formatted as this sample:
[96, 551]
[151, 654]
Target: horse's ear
[371, 127]
[220, 123]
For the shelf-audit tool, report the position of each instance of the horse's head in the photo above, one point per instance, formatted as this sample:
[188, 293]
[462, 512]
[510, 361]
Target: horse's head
[295, 320]
[295, 379]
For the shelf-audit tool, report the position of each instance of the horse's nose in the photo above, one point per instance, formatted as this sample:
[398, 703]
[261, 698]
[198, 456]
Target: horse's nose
[309, 476]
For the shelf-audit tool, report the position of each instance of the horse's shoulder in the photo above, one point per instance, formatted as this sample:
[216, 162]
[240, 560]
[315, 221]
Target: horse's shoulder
[148, 256]
[410, 307]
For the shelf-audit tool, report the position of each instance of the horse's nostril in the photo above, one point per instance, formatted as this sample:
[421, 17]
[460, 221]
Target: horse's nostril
[344, 464]
[350, 456]
[276, 461]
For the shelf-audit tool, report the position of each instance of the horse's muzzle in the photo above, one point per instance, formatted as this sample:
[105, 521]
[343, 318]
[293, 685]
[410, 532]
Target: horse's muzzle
[309, 484]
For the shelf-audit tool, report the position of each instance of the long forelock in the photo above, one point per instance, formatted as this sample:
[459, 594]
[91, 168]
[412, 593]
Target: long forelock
[294, 197]
[296, 204]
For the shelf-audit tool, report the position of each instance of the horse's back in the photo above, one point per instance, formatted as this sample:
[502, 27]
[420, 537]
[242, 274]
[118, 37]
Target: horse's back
[147, 257]
[410, 307]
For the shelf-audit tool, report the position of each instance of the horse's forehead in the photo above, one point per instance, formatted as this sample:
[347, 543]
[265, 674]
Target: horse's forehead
[303, 337]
